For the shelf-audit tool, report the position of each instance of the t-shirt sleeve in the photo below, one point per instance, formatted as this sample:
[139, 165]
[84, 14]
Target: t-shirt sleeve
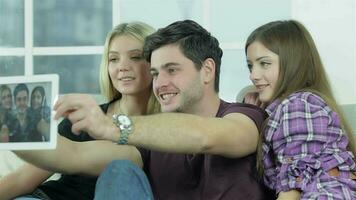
[255, 113]
[64, 129]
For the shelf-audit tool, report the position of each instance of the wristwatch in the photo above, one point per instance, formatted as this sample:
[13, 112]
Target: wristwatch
[124, 123]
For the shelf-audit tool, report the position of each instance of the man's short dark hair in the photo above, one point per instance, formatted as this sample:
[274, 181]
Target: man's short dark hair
[20, 87]
[195, 42]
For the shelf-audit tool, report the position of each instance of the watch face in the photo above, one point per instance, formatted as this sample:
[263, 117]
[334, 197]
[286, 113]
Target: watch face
[124, 120]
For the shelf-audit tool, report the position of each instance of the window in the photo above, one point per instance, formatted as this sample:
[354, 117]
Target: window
[67, 36]
[63, 37]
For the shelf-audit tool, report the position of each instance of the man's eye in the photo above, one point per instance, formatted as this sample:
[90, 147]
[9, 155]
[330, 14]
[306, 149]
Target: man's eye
[171, 70]
[136, 58]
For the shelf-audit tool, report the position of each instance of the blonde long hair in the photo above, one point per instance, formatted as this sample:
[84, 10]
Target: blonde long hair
[3, 88]
[140, 31]
[300, 67]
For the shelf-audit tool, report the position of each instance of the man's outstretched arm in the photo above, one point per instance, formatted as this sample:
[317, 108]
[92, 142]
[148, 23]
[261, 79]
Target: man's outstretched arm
[234, 135]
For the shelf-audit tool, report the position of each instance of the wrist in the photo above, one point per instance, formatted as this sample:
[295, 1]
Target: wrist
[113, 133]
[108, 131]
[125, 126]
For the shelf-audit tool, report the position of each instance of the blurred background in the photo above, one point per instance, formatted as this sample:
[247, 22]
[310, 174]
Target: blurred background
[66, 37]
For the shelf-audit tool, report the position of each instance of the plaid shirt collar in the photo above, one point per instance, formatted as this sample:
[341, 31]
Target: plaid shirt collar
[272, 106]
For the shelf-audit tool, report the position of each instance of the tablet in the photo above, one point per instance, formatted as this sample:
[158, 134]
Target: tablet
[26, 112]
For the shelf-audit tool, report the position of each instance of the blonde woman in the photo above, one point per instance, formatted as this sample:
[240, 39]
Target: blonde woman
[6, 118]
[126, 83]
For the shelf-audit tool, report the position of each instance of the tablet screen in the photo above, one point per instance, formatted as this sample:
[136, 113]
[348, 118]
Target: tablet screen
[26, 112]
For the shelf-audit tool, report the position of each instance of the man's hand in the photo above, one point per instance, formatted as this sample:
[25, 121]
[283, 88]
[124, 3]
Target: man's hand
[85, 114]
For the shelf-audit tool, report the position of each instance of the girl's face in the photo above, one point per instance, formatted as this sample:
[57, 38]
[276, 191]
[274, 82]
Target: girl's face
[6, 99]
[128, 70]
[36, 99]
[264, 70]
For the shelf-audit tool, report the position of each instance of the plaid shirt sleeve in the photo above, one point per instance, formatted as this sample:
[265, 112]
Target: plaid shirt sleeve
[303, 134]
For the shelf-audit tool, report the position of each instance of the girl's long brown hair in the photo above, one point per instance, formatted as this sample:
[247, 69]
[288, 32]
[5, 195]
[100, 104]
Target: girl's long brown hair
[300, 68]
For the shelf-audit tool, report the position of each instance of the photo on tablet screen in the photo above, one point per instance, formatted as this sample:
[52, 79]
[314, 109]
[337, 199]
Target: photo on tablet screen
[26, 112]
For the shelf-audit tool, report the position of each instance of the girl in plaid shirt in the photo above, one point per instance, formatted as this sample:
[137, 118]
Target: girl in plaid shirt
[307, 150]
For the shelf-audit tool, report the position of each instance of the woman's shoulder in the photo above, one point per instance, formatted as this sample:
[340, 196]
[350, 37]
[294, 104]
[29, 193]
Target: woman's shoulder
[304, 97]
[300, 102]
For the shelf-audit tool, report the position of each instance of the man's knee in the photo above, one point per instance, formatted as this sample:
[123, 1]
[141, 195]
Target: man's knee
[123, 179]
[119, 168]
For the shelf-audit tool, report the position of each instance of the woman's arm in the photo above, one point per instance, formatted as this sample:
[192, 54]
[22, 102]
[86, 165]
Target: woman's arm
[22, 181]
[43, 128]
[88, 158]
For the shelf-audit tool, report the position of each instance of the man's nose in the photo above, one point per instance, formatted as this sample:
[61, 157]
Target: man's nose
[160, 80]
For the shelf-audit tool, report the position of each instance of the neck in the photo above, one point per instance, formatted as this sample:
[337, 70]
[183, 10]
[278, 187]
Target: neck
[132, 105]
[208, 105]
[21, 115]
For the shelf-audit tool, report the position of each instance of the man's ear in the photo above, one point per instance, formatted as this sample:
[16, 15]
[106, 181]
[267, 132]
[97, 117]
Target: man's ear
[208, 70]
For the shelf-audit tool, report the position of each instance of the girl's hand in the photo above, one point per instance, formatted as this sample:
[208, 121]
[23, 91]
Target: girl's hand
[4, 133]
[252, 98]
[289, 195]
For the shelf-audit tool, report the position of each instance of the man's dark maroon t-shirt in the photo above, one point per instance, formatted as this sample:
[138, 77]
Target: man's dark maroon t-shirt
[206, 177]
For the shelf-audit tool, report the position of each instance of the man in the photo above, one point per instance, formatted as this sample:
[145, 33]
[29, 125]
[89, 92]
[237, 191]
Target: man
[24, 126]
[200, 147]
[21, 95]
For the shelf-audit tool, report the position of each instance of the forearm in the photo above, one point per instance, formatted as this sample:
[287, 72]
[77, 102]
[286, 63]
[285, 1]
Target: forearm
[185, 133]
[169, 133]
[62, 159]
[8, 187]
[22, 181]
[88, 158]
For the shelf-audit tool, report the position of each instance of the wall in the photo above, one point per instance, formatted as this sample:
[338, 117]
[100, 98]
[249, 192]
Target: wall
[71, 47]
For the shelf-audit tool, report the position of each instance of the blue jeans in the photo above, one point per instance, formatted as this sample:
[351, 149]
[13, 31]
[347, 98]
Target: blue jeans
[123, 180]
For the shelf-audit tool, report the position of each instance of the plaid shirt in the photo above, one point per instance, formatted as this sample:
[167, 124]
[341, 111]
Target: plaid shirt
[303, 140]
